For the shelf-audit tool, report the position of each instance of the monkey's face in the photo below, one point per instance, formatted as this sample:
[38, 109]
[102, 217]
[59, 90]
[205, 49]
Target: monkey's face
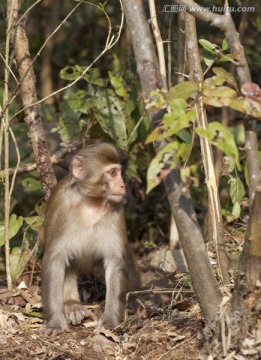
[97, 172]
[114, 184]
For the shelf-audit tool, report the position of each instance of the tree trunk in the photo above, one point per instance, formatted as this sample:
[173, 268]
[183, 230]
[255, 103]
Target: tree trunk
[29, 97]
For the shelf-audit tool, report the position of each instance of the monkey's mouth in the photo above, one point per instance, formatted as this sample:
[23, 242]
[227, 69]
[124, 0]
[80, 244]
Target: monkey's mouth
[116, 197]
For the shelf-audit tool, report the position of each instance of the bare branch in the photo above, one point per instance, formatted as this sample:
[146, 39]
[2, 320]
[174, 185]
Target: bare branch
[55, 159]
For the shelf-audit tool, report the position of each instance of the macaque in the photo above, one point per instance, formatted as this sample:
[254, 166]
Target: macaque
[84, 227]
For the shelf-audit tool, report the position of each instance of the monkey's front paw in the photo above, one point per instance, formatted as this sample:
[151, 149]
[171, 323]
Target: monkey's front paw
[74, 312]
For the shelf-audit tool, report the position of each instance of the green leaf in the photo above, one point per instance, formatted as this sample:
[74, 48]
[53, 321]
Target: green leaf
[34, 221]
[236, 190]
[236, 210]
[14, 226]
[111, 115]
[118, 85]
[183, 90]
[92, 76]
[209, 62]
[225, 45]
[36, 314]
[220, 91]
[185, 135]
[18, 260]
[178, 106]
[171, 124]
[221, 137]
[68, 124]
[165, 161]
[161, 165]
[207, 45]
[222, 73]
[228, 57]
[79, 101]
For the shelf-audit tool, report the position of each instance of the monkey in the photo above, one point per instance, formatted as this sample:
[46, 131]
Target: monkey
[84, 227]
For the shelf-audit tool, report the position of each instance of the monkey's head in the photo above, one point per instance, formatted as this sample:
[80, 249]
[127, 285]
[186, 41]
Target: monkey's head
[97, 172]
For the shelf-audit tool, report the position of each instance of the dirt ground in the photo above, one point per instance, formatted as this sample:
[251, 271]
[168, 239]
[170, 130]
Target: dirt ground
[165, 323]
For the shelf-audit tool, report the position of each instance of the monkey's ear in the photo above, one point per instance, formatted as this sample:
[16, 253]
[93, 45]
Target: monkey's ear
[76, 167]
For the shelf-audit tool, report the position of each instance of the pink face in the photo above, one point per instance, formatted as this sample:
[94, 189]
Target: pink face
[115, 185]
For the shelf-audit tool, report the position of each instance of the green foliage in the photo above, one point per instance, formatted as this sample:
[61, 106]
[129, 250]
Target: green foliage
[20, 255]
[214, 54]
[165, 161]
[15, 224]
[183, 90]
[222, 138]
[19, 258]
[215, 93]
[219, 90]
[106, 108]
[237, 193]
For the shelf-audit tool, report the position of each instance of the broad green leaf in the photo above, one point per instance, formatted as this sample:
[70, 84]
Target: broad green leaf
[220, 91]
[185, 135]
[225, 45]
[80, 101]
[156, 100]
[18, 260]
[222, 73]
[178, 106]
[14, 226]
[236, 210]
[171, 125]
[207, 45]
[183, 90]
[209, 62]
[118, 85]
[92, 76]
[161, 165]
[244, 105]
[68, 124]
[227, 57]
[111, 115]
[221, 137]
[236, 190]
[34, 221]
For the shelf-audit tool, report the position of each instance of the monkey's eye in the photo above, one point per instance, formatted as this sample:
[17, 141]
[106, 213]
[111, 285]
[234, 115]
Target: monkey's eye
[113, 173]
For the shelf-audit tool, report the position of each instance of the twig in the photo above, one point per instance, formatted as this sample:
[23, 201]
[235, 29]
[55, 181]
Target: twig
[55, 159]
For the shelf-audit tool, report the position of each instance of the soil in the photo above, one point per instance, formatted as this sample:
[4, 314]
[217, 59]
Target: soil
[165, 323]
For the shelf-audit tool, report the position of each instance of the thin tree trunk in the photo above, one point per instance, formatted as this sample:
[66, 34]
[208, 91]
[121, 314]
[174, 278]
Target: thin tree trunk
[247, 293]
[203, 278]
[29, 96]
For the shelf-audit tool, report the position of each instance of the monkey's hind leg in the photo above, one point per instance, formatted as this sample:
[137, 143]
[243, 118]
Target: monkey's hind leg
[73, 309]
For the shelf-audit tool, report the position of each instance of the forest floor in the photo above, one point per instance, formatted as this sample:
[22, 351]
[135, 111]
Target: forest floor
[166, 322]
